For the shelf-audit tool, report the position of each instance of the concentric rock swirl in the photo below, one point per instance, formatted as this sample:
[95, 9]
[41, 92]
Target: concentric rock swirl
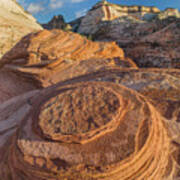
[39, 56]
[103, 125]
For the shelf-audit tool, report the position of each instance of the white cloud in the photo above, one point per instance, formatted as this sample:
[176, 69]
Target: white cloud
[76, 1]
[55, 4]
[35, 8]
[81, 13]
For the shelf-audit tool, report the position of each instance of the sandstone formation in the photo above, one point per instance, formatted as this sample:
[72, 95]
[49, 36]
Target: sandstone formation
[15, 23]
[74, 109]
[155, 44]
[57, 22]
[38, 58]
[158, 49]
[105, 11]
[149, 36]
[168, 12]
[109, 124]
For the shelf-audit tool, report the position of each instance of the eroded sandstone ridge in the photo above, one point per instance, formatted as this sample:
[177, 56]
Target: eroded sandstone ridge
[38, 58]
[15, 23]
[109, 124]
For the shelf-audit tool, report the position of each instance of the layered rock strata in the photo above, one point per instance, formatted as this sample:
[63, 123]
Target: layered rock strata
[15, 23]
[110, 124]
[104, 11]
[38, 58]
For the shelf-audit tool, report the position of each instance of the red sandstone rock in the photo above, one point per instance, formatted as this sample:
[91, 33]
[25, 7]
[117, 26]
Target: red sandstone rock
[40, 56]
[48, 47]
[110, 124]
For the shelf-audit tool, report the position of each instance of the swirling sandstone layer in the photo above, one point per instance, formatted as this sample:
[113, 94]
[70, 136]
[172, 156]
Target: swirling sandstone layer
[39, 56]
[110, 124]
[46, 48]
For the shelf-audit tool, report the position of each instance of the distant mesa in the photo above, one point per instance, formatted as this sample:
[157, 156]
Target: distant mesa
[105, 11]
[57, 22]
[139, 30]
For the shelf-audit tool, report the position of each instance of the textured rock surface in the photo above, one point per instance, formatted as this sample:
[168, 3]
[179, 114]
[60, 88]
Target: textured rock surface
[149, 44]
[73, 109]
[169, 12]
[15, 23]
[38, 58]
[150, 37]
[104, 11]
[12, 84]
[158, 49]
[110, 124]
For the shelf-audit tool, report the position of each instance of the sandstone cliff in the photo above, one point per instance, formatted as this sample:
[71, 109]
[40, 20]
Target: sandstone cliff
[15, 23]
[105, 11]
[150, 37]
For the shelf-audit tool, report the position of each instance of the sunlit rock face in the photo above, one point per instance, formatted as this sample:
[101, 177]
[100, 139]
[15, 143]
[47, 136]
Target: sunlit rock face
[39, 59]
[104, 11]
[15, 23]
[169, 12]
[109, 124]
[149, 36]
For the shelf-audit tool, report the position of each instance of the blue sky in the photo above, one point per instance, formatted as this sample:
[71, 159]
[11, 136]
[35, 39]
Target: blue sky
[44, 10]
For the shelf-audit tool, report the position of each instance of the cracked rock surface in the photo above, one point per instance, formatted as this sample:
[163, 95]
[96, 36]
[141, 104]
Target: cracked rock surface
[112, 123]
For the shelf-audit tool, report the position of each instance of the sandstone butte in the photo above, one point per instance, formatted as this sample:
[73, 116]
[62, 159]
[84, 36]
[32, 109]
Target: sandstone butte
[105, 11]
[15, 23]
[114, 124]
[38, 58]
[147, 35]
